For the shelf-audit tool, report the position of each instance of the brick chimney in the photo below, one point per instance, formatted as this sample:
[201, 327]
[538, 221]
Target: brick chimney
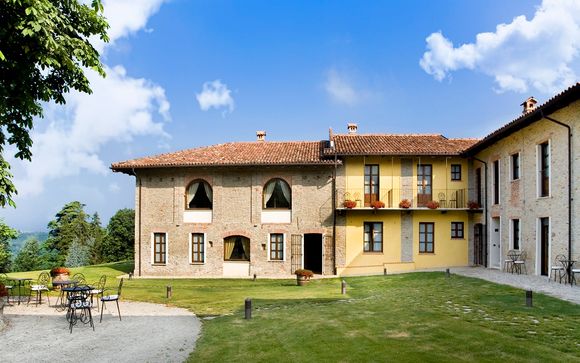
[352, 127]
[529, 105]
[261, 135]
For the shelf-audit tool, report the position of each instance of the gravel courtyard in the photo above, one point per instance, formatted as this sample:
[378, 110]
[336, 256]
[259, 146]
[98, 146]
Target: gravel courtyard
[147, 333]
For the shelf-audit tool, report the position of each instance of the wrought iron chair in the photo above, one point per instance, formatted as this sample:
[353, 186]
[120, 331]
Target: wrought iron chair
[41, 285]
[520, 263]
[8, 284]
[558, 267]
[109, 298]
[99, 289]
[79, 307]
[79, 278]
[442, 200]
[508, 263]
[453, 200]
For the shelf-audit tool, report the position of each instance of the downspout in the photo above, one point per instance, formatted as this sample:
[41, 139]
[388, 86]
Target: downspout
[485, 211]
[334, 213]
[569, 179]
[139, 223]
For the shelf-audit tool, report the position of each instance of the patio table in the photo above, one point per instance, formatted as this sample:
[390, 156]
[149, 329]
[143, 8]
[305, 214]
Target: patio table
[60, 303]
[568, 264]
[20, 281]
[77, 298]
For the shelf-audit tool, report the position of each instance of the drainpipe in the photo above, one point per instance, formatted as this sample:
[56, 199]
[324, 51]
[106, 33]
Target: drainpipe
[139, 224]
[569, 179]
[485, 211]
[334, 213]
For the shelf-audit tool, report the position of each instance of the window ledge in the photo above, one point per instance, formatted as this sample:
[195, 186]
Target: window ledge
[276, 261]
[427, 253]
[373, 252]
[197, 263]
[159, 264]
[458, 238]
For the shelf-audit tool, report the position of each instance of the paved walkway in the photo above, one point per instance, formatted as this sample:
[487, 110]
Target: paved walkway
[526, 282]
[148, 333]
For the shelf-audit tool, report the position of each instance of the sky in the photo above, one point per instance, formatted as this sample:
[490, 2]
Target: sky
[183, 74]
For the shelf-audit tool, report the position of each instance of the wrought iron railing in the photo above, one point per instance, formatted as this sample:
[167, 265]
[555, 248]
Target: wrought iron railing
[415, 197]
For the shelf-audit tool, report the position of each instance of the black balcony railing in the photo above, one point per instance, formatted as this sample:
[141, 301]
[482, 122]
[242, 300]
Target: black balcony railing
[417, 198]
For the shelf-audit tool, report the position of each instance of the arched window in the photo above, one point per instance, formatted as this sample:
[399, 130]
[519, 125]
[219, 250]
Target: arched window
[199, 195]
[277, 194]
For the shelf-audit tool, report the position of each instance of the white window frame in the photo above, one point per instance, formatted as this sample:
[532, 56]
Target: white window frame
[283, 247]
[519, 154]
[191, 262]
[538, 165]
[512, 234]
[153, 249]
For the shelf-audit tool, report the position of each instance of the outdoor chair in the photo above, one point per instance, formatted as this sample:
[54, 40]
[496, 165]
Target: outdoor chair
[99, 289]
[520, 263]
[41, 285]
[558, 268]
[79, 307]
[442, 200]
[508, 263]
[79, 278]
[8, 284]
[109, 298]
[453, 200]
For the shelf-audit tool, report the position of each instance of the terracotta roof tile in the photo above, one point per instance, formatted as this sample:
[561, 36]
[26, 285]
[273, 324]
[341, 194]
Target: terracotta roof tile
[235, 154]
[410, 144]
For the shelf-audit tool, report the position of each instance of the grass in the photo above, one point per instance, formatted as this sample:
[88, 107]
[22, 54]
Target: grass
[403, 318]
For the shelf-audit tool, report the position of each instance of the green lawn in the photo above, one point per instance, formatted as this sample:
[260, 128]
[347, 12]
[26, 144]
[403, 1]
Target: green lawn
[404, 318]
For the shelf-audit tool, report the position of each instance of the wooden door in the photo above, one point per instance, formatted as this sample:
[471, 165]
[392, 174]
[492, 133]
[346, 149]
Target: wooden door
[544, 245]
[424, 184]
[296, 248]
[371, 184]
[478, 247]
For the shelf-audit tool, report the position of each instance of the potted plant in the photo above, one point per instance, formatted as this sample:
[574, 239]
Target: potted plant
[472, 204]
[60, 273]
[303, 276]
[405, 204]
[349, 204]
[432, 204]
[377, 204]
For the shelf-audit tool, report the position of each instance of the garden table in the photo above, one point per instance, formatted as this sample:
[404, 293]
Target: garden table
[79, 306]
[20, 281]
[568, 264]
[60, 303]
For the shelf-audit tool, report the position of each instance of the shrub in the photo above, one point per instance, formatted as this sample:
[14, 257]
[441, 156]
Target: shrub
[432, 204]
[405, 203]
[377, 204]
[349, 204]
[304, 273]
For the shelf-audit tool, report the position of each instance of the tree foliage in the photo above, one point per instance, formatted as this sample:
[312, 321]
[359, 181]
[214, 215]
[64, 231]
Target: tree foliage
[119, 243]
[28, 257]
[79, 253]
[44, 52]
[6, 235]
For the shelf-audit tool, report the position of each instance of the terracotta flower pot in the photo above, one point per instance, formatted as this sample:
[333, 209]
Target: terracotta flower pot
[302, 280]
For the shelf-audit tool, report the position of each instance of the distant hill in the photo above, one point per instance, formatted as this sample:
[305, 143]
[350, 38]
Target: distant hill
[18, 243]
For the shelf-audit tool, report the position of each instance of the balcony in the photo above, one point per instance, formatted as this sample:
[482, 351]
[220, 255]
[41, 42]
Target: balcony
[447, 198]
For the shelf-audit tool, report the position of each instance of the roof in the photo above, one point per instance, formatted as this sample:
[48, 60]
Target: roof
[235, 154]
[555, 103]
[410, 144]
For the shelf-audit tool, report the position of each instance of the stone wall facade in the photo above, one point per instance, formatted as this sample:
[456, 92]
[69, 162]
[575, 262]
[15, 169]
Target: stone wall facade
[237, 211]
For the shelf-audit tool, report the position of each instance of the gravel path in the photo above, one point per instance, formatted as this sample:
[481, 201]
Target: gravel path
[526, 282]
[148, 333]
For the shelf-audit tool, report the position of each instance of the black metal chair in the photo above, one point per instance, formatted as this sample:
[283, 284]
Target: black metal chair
[109, 298]
[79, 307]
[79, 278]
[508, 263]
[41, 285]
[558, 267]
[99, 289]
[8, 284]
[520, 263]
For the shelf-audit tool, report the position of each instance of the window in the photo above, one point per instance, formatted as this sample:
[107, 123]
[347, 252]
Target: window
[197, 248]
[515, 166]
[371, 184]
[159, 248]
[276, 247]
[373, 237]
[516, 234]
[199, 195]
[426, 237]
[457, 230]
[496, 182]
[544, 169]
[277, 194]
[236, 248]
[424, 184]
[455, 171]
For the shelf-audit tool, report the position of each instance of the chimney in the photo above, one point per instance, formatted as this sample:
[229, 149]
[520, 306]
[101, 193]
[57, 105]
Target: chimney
[352, 127]
[261, 135]
[529, 105]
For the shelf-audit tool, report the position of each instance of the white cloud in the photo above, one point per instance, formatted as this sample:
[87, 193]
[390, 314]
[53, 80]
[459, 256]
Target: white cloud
[540, 53]
[119, 109]
[339, 88]
[215, 95]
[126, 17]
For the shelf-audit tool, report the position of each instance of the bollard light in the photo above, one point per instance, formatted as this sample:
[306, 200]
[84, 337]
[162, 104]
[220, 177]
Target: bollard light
[343, 287]
[447, 274]
[130, 276]
[529, 298]
[385, 271]
[255, 277]
[248, 308]
[169, 292]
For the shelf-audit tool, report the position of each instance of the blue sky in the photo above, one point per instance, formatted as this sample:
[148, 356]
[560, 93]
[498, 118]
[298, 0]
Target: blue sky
[184, 74]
